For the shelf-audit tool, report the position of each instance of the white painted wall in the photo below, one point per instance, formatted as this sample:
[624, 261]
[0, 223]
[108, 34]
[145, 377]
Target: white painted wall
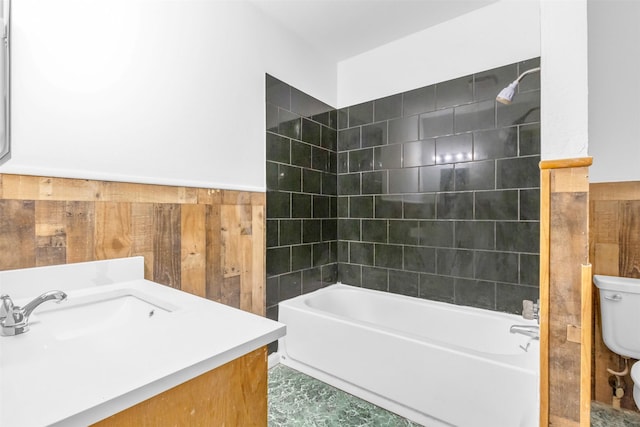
[614, 90]
[167, 92]
[172, 92]
[502, 33]
[564, 99]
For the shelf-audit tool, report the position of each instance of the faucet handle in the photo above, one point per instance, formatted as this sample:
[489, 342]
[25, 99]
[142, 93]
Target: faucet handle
[528, 309]
[6, 306]
[531, 310]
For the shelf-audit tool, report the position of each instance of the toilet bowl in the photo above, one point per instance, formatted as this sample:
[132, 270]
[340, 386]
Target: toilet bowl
[635, 376]
[620, 313]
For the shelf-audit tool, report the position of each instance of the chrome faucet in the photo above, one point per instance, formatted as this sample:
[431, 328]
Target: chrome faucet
[14, 320]
[531, 331]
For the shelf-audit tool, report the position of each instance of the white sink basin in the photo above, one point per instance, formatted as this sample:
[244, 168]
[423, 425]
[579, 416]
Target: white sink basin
[116, 341]
[109, 312]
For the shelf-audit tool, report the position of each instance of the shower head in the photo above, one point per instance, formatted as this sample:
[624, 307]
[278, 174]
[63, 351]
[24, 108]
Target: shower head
[507, 94]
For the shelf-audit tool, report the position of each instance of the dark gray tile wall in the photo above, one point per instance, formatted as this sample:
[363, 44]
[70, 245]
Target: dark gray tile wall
[301, 168]
[438, 191]
[431, 193]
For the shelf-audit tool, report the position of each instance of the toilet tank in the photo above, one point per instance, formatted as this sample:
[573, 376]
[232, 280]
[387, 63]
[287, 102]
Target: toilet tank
[620, 312]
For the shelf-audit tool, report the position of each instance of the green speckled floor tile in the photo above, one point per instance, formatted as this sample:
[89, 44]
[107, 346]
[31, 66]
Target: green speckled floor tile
[296, 399]
[603, 415]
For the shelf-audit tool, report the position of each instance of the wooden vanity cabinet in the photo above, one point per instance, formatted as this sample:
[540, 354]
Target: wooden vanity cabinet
[234, 394]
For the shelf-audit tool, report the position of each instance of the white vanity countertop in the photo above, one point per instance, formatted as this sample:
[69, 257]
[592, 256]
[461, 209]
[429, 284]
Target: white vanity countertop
[51, 379]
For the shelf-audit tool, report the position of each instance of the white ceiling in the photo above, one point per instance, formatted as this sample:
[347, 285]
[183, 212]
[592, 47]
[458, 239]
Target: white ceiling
[345, 28]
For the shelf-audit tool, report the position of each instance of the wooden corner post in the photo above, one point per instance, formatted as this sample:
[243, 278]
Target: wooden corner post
[565, 307]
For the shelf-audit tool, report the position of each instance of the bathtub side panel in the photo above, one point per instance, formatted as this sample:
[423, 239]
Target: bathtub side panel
[414, 375]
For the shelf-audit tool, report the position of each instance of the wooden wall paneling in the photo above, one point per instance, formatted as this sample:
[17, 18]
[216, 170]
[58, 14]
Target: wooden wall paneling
[232, 197]
[112, 230]
[235, 223]
[13, 187]
[564, 309]
[230, 292]
[603, 253]
[48, 188]
[258, 260]
[146, 193]
[628, 266]
[246, 274]
[209, 196]
[166, 244]
[247, 241]
[20, 187]
[586, 320]
[80, 229]
[629, 190]
[51, 232]
[606, 257]
[214, 274]
[545, 211]
[614, 238]
[605, 224]
[568, 249]
[629, 255]
[190, 238]
[604, 248]
[193, 243]
[232, 395]
[259, 199]
[17, 234]
[602, 391]
[236, 238]
[187, 195]
[142, 232]
[68, 189]
[570, 181]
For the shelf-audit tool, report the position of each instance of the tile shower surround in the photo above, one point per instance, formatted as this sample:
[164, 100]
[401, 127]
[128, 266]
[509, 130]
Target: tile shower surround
[301, 194]
[438, 192]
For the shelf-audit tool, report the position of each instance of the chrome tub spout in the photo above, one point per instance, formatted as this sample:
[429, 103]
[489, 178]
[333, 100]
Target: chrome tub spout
[531, 331]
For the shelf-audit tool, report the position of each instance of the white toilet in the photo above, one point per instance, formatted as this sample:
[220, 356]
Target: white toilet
[620, 309]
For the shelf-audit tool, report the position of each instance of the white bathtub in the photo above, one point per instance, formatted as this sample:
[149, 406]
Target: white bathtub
[435, 363]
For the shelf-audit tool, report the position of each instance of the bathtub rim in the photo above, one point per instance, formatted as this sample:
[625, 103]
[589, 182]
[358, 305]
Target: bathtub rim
[298, 303]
